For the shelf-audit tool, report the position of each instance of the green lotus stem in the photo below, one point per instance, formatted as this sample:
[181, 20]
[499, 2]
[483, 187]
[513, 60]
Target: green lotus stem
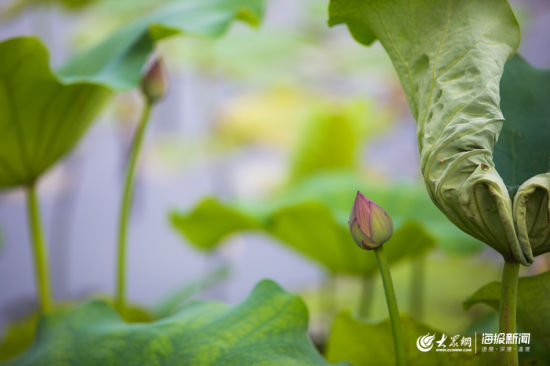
[392, 306]
[329, 295]
[40, 253]
[508, 308]
[367, 296]
[417, 287]
[125, 207]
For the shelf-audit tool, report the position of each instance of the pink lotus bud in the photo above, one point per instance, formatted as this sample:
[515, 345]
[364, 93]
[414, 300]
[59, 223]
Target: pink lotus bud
[369, 224]
[155, 82]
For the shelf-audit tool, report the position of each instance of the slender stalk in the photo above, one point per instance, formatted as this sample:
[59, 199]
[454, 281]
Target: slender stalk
[417, 287]
[329, 296]
[40, 253]
[508, 306]
[125, 207]
[392, 306]
[367, 296]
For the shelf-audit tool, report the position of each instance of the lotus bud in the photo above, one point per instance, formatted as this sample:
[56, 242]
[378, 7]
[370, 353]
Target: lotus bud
[369, 224]
[155, 82]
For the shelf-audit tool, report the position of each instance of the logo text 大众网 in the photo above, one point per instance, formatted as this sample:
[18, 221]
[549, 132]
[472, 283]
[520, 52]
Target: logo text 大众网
[455, 343]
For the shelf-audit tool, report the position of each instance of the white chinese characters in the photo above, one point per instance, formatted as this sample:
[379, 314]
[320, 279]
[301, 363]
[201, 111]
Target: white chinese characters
[506, 338]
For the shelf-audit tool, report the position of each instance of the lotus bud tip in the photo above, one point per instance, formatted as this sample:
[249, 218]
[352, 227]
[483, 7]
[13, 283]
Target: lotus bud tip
[155, 82]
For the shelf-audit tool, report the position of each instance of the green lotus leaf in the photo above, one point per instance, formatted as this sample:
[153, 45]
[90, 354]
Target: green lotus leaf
[44, 113]
[449, 56]
[308, 228]
[17, 336]
[522, 149]
[41, 118]
[268, 328]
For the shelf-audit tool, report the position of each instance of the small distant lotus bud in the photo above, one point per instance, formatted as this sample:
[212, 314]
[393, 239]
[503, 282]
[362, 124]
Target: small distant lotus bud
[155, 82]
[369, 224]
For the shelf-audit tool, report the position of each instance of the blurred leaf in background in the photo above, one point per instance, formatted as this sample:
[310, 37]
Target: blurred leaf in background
[17, 337]
[307, 227]
[332, 139]
[118, 61]
[269, 327]
[533, 308]
[312, 218]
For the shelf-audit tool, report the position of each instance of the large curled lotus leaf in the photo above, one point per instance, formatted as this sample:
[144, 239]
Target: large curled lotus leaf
[449, 56]
[533, 308]
[268, 328]
[365, 343]
[43, 113]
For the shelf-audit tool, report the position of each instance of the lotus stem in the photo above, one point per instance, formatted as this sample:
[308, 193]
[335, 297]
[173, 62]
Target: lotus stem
[392, 306]
[40, 252]
[367, 296]
[508, 308]
[125, 208]
[417, 287]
